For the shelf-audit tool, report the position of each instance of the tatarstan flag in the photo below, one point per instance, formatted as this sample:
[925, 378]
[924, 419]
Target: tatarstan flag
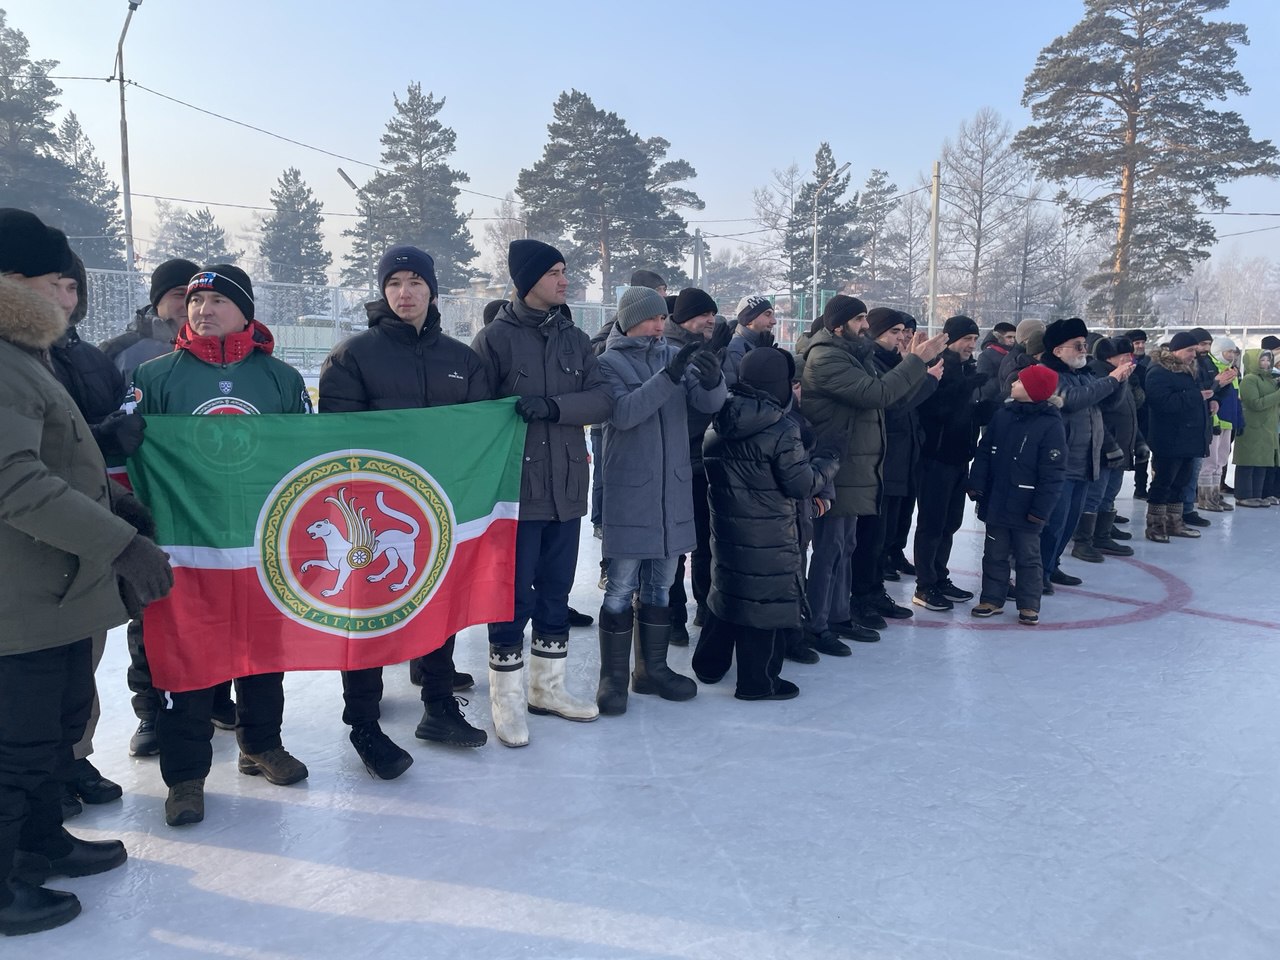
[333, 542]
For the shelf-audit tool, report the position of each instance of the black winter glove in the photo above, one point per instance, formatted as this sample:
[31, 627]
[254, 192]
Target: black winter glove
[1142, 452]
[721, 335]
[119, 433]
[537, 408]
[132, 511]
[680, 362]
[707, 365]
[144, 569]
[766, 339]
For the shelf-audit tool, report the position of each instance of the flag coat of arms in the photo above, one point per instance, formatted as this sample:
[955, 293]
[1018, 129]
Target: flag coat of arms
[327, 543]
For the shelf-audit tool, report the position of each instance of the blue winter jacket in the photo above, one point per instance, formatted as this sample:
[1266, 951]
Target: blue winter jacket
[1021, 464]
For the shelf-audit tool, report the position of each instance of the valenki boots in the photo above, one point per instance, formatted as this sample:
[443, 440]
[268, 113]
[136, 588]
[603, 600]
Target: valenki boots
[1156, 513]
[1175, 524]
[1205, 499]
[547, 692]
[651, 674]
[507, 702]
[615, 661]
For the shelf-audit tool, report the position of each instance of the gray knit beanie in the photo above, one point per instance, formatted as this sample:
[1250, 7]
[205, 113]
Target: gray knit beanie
[638, 304]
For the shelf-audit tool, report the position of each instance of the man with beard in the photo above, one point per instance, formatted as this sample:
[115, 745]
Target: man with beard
[844, 397]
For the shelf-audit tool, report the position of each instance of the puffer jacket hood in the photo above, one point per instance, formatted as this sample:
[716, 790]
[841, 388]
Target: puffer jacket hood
[379, 313]
[747, 412]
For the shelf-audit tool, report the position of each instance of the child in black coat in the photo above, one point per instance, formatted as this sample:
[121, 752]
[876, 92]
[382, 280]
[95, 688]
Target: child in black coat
[1016, 478]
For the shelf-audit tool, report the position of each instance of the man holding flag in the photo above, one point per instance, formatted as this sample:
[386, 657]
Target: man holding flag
[403, 361]
[221, 364]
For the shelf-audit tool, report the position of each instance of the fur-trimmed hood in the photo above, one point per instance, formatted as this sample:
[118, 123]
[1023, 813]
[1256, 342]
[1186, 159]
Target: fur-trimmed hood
[1165, 358]
[28, 319]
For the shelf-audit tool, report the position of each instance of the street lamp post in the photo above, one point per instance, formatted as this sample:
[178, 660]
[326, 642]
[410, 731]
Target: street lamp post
[124, 144]
[817, 193]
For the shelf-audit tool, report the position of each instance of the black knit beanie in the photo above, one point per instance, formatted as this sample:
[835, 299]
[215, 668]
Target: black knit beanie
[647, 278]
[840, 310]
[28, 247]
[1201, 334]
[959, 326]
[769, 370]
[880, 319]
[1271, 343]
[232, 282]
[77, 273]
[528, 262]
[691, 303]
[170, 274]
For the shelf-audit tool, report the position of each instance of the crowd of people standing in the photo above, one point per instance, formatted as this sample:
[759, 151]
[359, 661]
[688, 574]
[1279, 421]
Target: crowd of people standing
[792, 482]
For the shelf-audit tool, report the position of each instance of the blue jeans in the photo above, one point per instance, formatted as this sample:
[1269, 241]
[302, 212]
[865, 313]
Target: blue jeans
[1101, 496]
[1189, 491]
[651, 578]
[546, 559]
[1057, 532]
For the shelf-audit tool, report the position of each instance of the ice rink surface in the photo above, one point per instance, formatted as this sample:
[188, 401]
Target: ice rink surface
[1103, 786]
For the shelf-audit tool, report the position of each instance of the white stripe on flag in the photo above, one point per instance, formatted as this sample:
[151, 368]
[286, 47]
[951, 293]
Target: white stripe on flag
[243, 558]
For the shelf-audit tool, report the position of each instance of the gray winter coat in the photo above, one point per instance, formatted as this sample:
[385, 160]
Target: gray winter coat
[648, 480]
[528, 353]
[1081, 393]
[150, 337]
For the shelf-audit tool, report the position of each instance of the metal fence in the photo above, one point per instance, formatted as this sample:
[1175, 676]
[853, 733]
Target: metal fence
[307, 320]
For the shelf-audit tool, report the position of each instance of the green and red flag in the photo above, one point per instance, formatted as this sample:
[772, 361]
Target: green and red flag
[336, 542]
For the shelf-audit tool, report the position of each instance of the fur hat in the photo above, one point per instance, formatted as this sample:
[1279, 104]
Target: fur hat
[1039, 381]
[1060, 331]
[638, 304]
[528, 262]
[1135, 335]
[1271, 343]
[28, 247]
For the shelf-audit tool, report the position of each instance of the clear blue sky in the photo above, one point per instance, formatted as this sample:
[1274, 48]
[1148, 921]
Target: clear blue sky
[738, 88]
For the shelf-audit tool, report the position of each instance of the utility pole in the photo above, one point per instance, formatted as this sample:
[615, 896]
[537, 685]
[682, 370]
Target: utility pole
[697, 257]
[933, 248]
[817, 193]
[127, 194]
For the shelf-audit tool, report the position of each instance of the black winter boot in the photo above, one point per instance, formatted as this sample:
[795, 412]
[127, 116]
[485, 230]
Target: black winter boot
[651, 674]
[615, 660]
[759, 661]
[713, 655]
[1104, 536]
[1082, 540]
[796, 648]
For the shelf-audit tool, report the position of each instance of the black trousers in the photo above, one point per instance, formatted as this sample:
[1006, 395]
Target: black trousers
[866, 566]
[896, 515]
[1169, 477]
[362, 689]
[1250, 482]
[938, 517]
[45, 699]
[546, 559]
[146, 699]
[184, 727]
[1022, 546]
[759, 654]
[1271, 486]
[699, 560]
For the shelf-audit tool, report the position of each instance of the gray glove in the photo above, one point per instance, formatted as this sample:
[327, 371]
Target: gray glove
[145, 570]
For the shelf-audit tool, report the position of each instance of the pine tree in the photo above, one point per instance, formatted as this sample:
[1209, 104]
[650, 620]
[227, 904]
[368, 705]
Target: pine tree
[30, 176]
[610, 197]
[840, 235]
[416, 200]
[1123, 100]
[879, 200]
[198, 237]
[292, 244]
[91, 216]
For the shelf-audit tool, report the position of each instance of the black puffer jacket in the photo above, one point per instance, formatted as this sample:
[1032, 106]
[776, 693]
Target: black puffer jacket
[88, 375]
[903, 435]
[757, 469]
[391, 366]
[952, 416]
[1179, 422]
